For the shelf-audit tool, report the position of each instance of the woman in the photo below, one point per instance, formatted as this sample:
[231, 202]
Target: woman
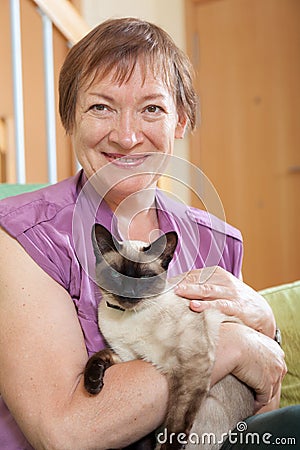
[125, 95]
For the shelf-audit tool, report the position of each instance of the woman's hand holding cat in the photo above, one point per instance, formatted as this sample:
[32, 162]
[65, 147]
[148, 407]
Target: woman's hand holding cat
[214, 287]
[253, 358]
[245, 351]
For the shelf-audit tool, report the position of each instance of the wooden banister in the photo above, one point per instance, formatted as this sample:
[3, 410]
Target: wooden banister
[65, 17]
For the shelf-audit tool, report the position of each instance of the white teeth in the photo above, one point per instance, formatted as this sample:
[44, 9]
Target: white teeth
[129, 160]
[126, 160]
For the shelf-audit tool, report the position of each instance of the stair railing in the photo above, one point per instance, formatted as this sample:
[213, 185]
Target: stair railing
[61, 14]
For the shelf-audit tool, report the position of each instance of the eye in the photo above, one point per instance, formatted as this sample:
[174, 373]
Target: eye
[153, 109]
[148, 274]
[109, 273]
[99, 107]
[114, 274]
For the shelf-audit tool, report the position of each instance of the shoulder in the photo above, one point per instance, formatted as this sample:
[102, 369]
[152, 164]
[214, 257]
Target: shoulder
[41, 221]
[205, 239]
[25, 211]
[208, 220]
[203, 219]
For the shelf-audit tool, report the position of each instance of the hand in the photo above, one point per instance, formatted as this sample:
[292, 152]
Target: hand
[214, 287]
[258, 360]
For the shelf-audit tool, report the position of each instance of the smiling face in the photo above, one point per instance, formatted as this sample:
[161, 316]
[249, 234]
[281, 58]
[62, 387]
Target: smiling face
[126, 128]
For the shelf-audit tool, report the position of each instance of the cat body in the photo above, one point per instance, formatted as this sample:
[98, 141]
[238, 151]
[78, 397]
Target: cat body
[154, 331]
[160, 328]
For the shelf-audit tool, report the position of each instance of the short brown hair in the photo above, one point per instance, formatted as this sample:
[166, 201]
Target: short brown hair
[115, 45]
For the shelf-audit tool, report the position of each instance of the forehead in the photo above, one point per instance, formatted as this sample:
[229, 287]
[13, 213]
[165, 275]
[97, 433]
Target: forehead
[140, 76]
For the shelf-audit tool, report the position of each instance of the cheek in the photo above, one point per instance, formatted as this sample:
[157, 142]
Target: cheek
[162, 134]
[89, 132]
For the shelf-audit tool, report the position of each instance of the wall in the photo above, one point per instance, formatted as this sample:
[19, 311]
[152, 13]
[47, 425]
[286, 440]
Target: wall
[249, 140]
[169, 14]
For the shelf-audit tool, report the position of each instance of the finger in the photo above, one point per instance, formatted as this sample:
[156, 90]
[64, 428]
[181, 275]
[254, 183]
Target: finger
[276, 387]
[262, 399]
[258, 405]
[224, 306]
[212, 274]
[204, 291]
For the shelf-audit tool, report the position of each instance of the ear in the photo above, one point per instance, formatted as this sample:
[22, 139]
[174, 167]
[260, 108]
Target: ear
[103, 241]
[172, 240]
[164, 248]
[181, 126]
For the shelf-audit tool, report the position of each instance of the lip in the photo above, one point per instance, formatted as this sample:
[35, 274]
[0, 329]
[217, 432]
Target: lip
[125, 161]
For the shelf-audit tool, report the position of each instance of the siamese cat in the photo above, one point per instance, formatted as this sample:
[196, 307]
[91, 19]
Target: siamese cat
[141, 317]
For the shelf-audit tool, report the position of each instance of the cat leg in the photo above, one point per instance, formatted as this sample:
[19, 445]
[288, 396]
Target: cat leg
[95, 368]
[184, 403]
[189, 382]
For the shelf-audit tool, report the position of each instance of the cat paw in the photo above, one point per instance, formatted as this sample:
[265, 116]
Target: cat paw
[95, 369]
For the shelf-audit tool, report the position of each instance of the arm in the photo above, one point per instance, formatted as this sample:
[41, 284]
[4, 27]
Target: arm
[257, 360]
[42, 357]
[253, 358]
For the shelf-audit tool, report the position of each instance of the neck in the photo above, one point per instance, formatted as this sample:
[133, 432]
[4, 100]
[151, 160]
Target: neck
[132, 203]
[137, 216]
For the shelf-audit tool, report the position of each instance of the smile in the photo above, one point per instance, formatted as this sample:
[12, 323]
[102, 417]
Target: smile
[125, 161]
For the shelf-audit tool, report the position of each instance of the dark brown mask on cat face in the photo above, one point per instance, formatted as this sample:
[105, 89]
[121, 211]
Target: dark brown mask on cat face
[132, 270]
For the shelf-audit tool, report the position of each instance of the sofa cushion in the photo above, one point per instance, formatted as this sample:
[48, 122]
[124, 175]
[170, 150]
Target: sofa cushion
[285, 303]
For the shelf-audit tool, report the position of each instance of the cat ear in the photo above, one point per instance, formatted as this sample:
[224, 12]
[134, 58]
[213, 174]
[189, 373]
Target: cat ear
[164, 248]
[103, 241]
[172, 240]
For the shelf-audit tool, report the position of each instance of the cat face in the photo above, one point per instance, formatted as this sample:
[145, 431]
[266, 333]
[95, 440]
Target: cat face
[131, 271]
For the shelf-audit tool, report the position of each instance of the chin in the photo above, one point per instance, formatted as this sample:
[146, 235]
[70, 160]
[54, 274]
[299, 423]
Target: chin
[127, 187]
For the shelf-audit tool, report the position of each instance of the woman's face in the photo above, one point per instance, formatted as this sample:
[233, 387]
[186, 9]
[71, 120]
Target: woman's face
[123, 132]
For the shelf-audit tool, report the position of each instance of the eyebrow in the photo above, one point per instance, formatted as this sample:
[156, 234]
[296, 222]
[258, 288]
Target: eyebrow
[111, 99]
[154, 96]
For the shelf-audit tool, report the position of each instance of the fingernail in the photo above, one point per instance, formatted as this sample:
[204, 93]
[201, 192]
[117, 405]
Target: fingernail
[196, 303]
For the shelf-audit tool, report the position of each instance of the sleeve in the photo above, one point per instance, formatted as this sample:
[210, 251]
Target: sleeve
[52, 255]
[219, 242]
[237, 257]
[43, 233]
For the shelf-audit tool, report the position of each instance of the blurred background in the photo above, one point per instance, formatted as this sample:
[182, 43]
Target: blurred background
[246, 56]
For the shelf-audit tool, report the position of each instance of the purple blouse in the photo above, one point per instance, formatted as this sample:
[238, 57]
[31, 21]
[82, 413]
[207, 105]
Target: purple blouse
[54, 225]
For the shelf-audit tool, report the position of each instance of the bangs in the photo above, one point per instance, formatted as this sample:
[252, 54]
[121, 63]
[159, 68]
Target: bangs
[121, 69]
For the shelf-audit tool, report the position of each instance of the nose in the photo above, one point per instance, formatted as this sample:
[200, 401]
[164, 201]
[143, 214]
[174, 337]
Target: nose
[126, 132]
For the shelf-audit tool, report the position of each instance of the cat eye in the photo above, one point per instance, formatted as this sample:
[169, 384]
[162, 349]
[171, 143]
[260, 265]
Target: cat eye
[114, 273]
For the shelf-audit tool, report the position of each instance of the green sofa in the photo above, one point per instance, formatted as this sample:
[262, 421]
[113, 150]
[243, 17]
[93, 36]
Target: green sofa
[284, 300]
[285, 303]
[8, 190]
